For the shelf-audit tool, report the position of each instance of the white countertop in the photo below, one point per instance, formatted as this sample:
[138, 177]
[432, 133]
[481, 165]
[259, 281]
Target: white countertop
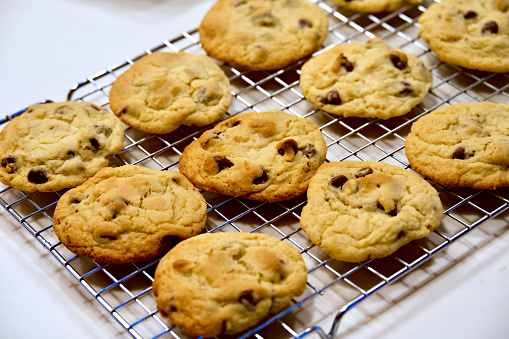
[49, 45]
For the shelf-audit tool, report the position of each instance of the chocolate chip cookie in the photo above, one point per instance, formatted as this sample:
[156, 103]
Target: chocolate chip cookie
[375, 6]
[57, 145]
[369, 79]
[268, 156]
[469, 33]
[462, 145]
[162, 91]
[129, 213]
[263, 34]
[358, 210]
[224, 283]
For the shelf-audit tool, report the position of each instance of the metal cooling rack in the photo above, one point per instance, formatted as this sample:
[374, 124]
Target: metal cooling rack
[333, 287]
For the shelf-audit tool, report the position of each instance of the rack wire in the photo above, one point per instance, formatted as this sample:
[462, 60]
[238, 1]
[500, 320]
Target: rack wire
[125, 290]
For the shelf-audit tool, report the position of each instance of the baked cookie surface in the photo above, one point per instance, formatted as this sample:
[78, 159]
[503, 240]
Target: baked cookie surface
[163, 90]
[129, 213]
[462, 145]
[469, 33]
[369, 79]
[224, 283]
[358, 210]
[375, 6]
[57, 145]
[267, 156]
[263, 34]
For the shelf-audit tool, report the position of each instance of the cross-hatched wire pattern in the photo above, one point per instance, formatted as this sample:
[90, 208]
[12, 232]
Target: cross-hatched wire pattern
[333, 287]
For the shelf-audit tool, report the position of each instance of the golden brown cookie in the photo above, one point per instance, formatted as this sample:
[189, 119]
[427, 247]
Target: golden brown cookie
[224, 283]
[469, 33]
[267, 156]
[359, 210]
[462, 145]
[129, 213]
[263, 34]
[57, 145]
[369, 79]
[162, 91]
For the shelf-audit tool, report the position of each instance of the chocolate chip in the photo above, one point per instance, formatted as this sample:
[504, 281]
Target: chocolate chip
[398, 62]
[61, 109]
[309, 150]
[9, 163]
[490, 27]
[173, 308]
[94, 143]
[460, 153]
[338, 181]
[222, 162]
[8, 160]
[281, 275]
[69, 155]
[262, 179]
[342, 61]
[470, 15]
[117, 204]
[247, 296]
[287, 146]
[232, 123]
[304, 23]
[407, 90]
[265, 20]
[215, 136]
[348, 65]
[363, 172]
[247, 299]
[124, 110]
[38, 176]
[331, 98]
[392, 213]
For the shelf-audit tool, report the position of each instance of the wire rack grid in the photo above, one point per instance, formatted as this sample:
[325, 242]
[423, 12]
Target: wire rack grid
[333, 287]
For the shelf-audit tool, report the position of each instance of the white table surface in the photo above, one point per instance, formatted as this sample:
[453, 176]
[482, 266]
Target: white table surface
[47, 46]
